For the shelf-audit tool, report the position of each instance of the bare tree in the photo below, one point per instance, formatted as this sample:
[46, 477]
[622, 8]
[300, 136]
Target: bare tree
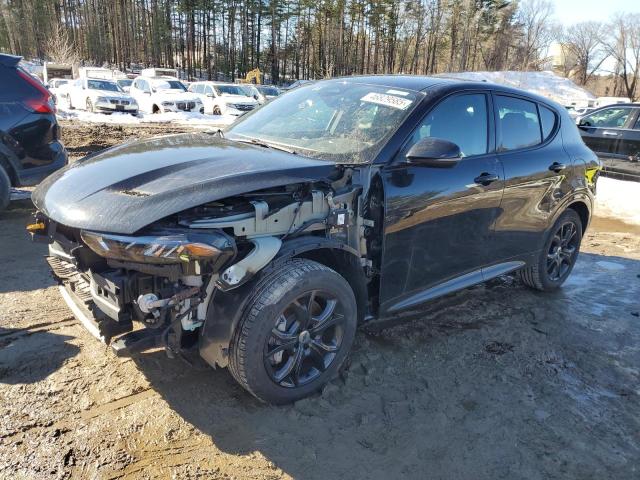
[583, 43]
[60, 49]
[624, 47]
[534, 18]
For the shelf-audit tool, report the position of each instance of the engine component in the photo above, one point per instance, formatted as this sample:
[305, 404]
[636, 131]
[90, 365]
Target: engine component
[262, 223]
[265, 248]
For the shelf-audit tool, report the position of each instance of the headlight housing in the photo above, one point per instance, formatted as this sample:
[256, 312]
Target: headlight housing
[102, 100]
[171, 248]
[167, 104]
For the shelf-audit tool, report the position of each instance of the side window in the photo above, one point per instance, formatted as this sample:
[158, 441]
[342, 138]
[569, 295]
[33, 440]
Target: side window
[548, 120]
[461, 119]
[208, 90]
[614, 117]
[637, 125]
[199, 88]
[518, 123]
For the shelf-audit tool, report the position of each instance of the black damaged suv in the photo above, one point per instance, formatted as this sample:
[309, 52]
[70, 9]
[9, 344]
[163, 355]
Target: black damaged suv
[262, 249]
[29, 135]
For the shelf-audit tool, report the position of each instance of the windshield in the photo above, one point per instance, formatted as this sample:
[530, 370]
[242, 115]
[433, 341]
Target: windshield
[125, 83]
[271, 91]
[230, 90]
[103, 85]
[334, 120]
[169, 85]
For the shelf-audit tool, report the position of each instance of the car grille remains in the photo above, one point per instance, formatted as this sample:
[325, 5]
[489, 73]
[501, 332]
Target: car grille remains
[119, 102]
[185, 105]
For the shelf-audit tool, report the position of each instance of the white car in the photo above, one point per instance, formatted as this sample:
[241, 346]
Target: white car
[55, 86]
[223, 98]
[98, 95]
[164, 94]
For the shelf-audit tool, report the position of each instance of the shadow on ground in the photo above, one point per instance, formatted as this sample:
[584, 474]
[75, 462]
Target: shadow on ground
[497, 381]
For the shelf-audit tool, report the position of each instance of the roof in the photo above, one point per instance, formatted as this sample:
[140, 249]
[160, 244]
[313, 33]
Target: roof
[9, 60]
[408, 82]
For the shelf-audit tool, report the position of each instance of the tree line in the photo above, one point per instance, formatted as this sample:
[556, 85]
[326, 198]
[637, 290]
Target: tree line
[294, 39]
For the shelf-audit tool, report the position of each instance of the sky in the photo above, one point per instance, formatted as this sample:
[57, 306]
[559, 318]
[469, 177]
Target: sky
[573, 11]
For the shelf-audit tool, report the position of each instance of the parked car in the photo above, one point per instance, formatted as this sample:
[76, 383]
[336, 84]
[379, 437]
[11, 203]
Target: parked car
[269, 92]
[164, 94]
[30, 148]
[98, 95]
[124, 84]
[613, 133]
[55, 85]
[251, 91]
[298, 83]
[223, 98]
[336, 203]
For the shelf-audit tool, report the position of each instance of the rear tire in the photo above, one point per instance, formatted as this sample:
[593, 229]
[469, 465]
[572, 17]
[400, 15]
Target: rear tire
[295, 333]
[558, 256]
[5, 189]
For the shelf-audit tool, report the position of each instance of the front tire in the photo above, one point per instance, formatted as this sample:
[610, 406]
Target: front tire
[295, 333]
[5, 188]
[216, 110]
[558, 256]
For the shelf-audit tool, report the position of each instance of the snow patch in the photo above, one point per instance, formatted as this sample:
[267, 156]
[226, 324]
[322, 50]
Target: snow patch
[546, 84]
[618, 199]
[191, 119]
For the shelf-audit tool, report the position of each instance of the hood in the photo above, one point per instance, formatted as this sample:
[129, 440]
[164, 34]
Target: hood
[126, 188]
[243, 99]
[175, 96]
[109, 94]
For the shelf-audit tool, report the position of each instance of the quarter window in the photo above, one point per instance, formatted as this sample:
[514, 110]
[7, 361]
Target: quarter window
[518, 123]
[614, 117]
[461, 119]
[548, 120]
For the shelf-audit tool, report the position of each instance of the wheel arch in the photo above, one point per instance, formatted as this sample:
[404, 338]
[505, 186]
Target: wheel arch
[583, 212]
[225, 309]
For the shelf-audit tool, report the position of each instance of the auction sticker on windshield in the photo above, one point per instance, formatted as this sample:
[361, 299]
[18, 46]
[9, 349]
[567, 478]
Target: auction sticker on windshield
[387, 100]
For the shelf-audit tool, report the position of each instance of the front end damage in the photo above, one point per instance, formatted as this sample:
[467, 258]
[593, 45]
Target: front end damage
[158, 287]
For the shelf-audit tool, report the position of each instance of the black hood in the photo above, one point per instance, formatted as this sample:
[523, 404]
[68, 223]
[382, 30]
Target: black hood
[125, 188]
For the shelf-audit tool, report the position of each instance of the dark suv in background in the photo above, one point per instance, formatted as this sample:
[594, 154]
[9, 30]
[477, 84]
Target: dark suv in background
[613, 133]
[29, 134]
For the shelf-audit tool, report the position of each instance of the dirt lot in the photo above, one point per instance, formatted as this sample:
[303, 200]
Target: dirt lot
[496, 382]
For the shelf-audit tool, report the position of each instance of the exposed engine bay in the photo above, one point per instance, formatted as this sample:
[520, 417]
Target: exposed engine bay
[164, 277]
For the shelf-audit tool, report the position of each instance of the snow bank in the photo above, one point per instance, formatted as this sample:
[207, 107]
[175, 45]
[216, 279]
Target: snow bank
[547, 84]
[192, 119]
[618, 199]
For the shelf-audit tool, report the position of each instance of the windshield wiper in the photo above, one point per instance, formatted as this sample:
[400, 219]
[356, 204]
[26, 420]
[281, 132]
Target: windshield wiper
[262, 143]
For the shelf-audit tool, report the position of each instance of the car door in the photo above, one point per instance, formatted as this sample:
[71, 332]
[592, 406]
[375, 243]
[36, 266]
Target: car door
[439, 221]
[629, 141]
[536, 172]
[603, 129]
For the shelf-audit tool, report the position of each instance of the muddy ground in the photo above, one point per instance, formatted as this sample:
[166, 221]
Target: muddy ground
[495, 382]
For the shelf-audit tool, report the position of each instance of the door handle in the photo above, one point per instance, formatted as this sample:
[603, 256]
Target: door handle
[486, 178]
[610, 134]
[557, 167]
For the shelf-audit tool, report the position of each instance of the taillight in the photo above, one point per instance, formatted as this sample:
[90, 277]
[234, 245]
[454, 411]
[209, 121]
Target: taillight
[41, 103]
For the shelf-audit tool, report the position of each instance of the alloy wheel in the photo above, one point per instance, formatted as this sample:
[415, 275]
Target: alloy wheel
[562, 251]
[305, 339]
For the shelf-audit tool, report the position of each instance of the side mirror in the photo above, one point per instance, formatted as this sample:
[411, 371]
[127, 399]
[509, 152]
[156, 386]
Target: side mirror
[434, 152]
[584, 123]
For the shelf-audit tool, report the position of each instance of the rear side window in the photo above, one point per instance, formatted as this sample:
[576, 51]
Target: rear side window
[518, 123]
[548, 120]
[461, 119]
